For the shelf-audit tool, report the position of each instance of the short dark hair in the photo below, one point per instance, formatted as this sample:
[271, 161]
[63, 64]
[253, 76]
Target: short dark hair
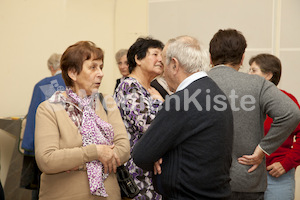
[268, 64]
[227, 47]
[140, 48]
[75, 55]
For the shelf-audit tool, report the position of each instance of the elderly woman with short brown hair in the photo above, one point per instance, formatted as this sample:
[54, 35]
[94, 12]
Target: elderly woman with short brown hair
[78, 143]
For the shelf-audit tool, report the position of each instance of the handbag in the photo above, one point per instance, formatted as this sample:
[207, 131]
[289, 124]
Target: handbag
[128, 187]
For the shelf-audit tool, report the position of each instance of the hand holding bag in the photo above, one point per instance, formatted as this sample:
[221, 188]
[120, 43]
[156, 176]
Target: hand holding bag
[128, 187]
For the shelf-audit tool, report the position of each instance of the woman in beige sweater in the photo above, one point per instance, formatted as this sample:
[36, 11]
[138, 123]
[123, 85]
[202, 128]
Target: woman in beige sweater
[78, 145]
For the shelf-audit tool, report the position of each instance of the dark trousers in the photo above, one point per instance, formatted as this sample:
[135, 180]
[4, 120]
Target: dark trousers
[30, 177]
[247, 196]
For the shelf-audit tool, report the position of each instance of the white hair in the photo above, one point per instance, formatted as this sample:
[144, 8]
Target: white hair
[54, 61]
[187, 51]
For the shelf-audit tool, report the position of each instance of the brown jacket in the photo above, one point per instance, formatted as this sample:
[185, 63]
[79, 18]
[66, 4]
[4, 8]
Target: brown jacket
[58, 148]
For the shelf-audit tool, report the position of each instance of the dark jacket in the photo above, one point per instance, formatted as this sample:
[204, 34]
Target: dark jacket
[194, 140]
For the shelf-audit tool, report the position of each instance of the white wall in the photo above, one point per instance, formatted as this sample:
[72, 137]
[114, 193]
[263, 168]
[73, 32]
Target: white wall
[269, 26]
[289, 46]
[31, 30]
[131, 22]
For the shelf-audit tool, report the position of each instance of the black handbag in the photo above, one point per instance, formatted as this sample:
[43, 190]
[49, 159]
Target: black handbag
[127, 185]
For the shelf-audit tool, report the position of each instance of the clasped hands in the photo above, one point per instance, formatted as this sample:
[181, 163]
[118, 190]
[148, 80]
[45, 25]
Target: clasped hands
[107, 157]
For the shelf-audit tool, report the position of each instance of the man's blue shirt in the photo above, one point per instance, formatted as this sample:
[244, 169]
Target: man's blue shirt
[43, 90]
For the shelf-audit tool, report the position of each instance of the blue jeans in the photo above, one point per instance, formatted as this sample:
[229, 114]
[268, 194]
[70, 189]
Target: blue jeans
[282, 187]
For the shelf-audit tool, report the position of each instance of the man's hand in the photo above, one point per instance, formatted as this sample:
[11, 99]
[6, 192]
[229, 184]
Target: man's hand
[108, 158]
[276, 169]
[255, 159]
[157, 168]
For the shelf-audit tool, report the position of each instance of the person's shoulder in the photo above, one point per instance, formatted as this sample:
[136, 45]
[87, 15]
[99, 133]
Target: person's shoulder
[108, 102]
[248, 79]
[255, 83]
[58, 76]
[130, 80]
[130, 83]
[52, 104]
[200, 81]
[252, 77]
[291, 96]
[288, 94]
[48, 79]
[44, 80]
[45, 105]
[225, 73]
[107, 96]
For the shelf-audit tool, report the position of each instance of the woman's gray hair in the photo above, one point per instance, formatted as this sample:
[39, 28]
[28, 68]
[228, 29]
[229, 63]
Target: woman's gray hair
[54, 61]
[120, 54]
[187, 51]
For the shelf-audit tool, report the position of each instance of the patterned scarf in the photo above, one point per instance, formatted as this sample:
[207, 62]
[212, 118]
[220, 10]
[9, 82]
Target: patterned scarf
[94, 131]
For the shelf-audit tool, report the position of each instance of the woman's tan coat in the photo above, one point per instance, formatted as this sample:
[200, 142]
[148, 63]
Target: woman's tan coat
[58, 148]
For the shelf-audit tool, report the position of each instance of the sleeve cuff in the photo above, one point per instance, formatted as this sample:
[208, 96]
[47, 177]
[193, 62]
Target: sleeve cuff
[263, 150]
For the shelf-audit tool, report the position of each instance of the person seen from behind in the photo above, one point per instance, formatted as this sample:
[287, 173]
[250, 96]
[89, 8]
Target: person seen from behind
[251, 99]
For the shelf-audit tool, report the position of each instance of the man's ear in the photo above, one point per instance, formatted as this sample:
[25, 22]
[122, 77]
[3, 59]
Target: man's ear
[138, 62]
[175, 65]
[72, 74]
[52, 70]
[243, 57]
[210, 60]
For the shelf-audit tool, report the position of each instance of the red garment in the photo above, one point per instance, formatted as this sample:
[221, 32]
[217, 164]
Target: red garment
[288, 157]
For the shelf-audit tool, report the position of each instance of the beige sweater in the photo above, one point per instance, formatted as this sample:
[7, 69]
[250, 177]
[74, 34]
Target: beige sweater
[58, 148]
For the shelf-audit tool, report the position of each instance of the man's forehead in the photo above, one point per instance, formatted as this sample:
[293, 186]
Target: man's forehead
[164, 50]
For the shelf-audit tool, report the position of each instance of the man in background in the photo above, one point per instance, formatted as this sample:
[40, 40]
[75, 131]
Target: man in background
[43, 90]
[251, 99]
